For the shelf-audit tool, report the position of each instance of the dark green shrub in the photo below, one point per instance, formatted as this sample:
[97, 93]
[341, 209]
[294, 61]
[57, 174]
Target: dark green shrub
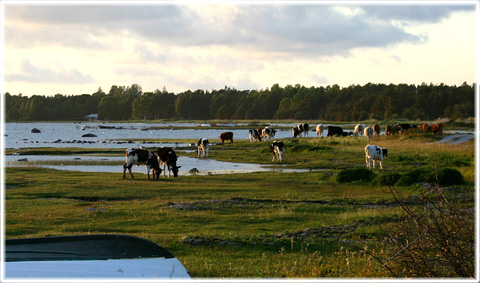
[357, 174]
[412, 177]
[386, 179]
[446, 177]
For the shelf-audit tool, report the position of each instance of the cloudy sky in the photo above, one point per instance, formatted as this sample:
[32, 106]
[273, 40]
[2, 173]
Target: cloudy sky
[67, 48]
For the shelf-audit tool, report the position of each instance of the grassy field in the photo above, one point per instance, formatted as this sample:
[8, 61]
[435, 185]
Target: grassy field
[266, 224]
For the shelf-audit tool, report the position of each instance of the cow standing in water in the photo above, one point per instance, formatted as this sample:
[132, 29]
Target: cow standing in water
[299, 129]
[374, 154]
[202, 147]
[140, 156]
[168, 158]
[277, 150]
[226, 136]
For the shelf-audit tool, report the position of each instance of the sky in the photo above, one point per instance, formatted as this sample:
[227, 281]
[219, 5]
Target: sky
[70, 48]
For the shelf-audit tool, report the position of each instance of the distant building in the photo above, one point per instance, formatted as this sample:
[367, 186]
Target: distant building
[92, 117]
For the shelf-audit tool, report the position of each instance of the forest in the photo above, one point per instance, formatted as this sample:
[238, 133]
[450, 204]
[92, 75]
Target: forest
[330, 103]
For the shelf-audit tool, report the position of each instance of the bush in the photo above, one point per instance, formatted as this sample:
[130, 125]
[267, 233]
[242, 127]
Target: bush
[386, 179]
[436, 239]
[412, 177]
[357, 174]
[446, 177]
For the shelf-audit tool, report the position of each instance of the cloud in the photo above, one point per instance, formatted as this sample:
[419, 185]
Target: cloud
[302, 30]
[414, 14]
[31, 73]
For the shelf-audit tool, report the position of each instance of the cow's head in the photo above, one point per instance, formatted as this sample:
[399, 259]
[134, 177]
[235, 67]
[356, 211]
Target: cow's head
[385, 152]
[295, 131]
[175, 170]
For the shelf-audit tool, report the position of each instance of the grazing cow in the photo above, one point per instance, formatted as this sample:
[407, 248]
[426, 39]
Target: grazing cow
[374, 154]
[168, 159]
[299, 129]
[392, 130]
[140, 156]
[423, 127]
[277, 149]
[202, 147]
[254, 135]
[368, 133]
[406, 127]
[358, 130]
[319, 130]
[268, 133]
[435, 128]
[226, 136]
[376, 129]
[334, 131]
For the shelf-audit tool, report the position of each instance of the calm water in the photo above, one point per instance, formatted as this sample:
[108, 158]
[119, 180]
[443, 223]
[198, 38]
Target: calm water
[61, 135]
[17, 135]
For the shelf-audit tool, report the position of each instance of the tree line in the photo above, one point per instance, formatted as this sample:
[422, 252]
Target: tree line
[330, 103]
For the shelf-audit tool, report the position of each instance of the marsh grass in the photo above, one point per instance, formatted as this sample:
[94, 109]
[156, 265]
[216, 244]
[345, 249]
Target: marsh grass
[249, 225]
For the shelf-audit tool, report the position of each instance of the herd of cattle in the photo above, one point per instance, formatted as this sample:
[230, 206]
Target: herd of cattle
[166, 158]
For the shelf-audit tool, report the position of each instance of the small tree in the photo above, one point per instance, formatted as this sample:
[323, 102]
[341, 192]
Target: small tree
[435, 239]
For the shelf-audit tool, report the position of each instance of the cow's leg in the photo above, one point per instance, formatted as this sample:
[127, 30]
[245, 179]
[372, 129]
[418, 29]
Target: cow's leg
[381, 164]
[148, 172]
[163, 164]
[129, 167]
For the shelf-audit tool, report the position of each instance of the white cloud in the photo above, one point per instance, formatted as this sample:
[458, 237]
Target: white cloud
[36, 74]
[209, 46]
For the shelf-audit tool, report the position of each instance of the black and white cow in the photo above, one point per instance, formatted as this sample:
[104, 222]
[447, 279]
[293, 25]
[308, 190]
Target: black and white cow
[374, 154]
[202, 147]
[277, 150]
[268, 133]
[168, 158]
[299, 129]
[140, 156]
[334, 131]
[254, 135]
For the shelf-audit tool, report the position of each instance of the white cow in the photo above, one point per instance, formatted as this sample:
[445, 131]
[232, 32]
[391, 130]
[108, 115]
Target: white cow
[368, 133]
[277, 149]
[358, 130]
[202, 147]
[374, 154]
[319, 130]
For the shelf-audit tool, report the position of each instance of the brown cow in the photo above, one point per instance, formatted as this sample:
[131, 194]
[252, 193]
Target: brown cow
[376, 129]
[392, 130]
[226, 136]
[434, 129]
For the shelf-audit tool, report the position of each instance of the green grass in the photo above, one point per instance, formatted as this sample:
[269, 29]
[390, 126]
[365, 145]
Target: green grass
[247, 225]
